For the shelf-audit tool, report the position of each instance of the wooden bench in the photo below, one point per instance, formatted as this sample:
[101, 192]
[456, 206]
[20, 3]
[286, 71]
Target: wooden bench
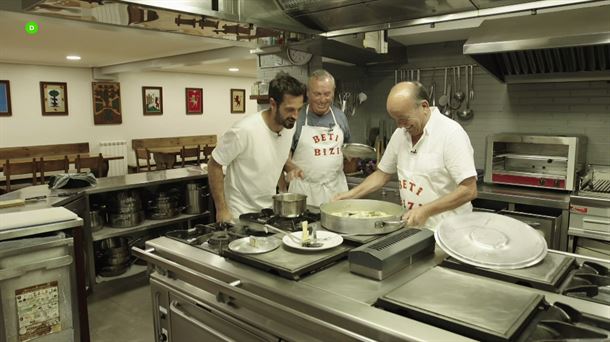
[29, 152]
[140, 145]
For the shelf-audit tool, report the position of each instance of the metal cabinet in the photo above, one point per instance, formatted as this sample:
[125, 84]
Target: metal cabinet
[547, 226]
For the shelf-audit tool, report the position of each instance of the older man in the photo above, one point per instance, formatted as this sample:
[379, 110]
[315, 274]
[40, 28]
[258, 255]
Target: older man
[316, 165]
[432, 155]
[254, 151]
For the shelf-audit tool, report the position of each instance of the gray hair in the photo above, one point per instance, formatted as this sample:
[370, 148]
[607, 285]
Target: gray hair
[321, 74]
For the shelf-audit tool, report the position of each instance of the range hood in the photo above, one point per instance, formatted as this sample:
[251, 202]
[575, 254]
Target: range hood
[551, 47]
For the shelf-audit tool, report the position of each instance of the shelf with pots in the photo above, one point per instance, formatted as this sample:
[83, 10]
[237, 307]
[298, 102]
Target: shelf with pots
[108, 232]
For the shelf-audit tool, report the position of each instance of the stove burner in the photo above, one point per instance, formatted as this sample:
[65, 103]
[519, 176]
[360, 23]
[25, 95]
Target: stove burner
[266, 216]
[218, 238]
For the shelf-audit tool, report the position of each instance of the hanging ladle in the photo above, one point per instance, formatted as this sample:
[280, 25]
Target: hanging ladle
[459, 95]
[467, 113]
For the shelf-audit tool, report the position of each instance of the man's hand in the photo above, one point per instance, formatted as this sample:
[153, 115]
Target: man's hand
[224, 216]
[341, 196]
[416, 217]
[294, 173]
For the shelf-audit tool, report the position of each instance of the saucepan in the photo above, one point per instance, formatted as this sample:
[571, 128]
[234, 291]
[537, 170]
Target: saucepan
[289, 204]
[361, 217]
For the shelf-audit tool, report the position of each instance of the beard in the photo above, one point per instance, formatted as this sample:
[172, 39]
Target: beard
[285, 122]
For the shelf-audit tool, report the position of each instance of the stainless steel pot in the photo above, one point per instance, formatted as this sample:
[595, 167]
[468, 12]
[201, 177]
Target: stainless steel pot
[96, 219]
[289, 205]
[197, 198]
[332, 218]
[163, 207]
[126, 220]
[126, 202]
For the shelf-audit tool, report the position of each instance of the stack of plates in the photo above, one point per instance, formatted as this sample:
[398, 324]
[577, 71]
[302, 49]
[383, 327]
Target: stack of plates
[491, 241]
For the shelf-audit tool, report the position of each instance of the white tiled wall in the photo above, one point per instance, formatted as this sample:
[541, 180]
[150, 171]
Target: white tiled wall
[581, 108]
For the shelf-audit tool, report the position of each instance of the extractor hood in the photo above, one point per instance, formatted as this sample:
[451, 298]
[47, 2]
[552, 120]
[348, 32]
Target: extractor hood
[552, 47]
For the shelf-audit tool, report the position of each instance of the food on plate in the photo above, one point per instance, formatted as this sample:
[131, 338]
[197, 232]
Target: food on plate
[362, 213]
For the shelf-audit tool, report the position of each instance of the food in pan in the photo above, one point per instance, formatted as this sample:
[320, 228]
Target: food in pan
[362, 213]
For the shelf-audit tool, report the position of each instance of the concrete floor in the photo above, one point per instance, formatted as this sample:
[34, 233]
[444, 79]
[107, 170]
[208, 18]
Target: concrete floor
[121, 312]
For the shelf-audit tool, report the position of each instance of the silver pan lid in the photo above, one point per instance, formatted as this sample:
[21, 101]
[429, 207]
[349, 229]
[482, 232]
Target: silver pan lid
[254, 245]
[491, 241]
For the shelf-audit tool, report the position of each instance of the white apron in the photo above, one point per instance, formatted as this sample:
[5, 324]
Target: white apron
[319, 155]
[415, 172]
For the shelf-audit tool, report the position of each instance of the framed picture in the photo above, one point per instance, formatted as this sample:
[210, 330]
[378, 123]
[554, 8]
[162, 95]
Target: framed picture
[152, 100]
[106, 103]
[54, 98]
[194, 101]
[5, 98]
[238, 100]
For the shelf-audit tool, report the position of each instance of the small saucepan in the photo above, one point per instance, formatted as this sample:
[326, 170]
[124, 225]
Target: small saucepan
[289, 204]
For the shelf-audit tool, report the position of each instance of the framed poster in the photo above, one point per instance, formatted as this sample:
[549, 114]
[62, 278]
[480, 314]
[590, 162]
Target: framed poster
[106, 103]
[152, 100]
[238, 100]
[5, 98]
[54, 98]
[194, 101]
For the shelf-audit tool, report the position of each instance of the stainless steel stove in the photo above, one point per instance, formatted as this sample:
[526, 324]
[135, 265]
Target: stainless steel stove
[486, 310]
[557, 273]
[284, 261]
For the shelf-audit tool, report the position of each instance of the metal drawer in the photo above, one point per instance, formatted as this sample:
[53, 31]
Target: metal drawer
[546, 225]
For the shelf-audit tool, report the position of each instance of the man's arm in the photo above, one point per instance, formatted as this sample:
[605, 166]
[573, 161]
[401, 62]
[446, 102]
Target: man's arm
[217, 187]
[292, 170]
[371, 183]
[465, 192]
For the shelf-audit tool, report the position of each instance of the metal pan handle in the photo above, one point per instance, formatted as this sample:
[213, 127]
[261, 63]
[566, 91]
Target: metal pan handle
[389, 224]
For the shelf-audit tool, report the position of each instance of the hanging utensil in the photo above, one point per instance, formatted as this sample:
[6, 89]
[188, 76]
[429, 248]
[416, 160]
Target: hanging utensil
[471, 87]
[459, 94]
[467, 113]
[444, 100]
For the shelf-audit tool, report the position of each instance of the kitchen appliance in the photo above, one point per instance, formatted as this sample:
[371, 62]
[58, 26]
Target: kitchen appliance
[486, 310]
[589, 228]
[558, 273]
[286, 262]
[550, 162]
[256, 221]
[361, 216]
[197, 198]
[387, 255]
[289, 205]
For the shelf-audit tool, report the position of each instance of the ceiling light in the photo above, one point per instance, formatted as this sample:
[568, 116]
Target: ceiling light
[73, 58]
[234, 69]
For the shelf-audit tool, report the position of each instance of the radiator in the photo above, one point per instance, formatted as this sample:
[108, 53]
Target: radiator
[115, 148]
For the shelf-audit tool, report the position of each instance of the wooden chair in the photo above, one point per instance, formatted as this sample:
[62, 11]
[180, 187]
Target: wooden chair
[190, 152]
[94, 164]
[143, 153]
[207, 152]
[52, 165]
[19, 168]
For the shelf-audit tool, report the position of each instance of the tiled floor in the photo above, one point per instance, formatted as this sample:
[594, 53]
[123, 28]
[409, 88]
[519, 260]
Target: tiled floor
[121, 312]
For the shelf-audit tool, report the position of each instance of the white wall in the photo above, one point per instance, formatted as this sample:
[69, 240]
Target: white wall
[27, 126]
[570, 108]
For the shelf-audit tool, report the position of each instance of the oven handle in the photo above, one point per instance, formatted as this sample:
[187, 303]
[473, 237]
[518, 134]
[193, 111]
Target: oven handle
[174, 307]
[228, 293]
[588, 220]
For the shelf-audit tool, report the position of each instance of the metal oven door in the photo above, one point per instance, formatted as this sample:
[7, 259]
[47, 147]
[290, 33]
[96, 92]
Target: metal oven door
[547, 226]
[589, 231]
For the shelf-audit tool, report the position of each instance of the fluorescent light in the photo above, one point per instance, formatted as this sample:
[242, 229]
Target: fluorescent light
[234, 69]
[73, 58]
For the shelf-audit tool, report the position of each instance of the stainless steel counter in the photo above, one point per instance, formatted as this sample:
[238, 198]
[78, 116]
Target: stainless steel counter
[333, 295]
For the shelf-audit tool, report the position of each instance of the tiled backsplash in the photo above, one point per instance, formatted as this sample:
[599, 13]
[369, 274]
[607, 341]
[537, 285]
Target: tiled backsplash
[570, 108]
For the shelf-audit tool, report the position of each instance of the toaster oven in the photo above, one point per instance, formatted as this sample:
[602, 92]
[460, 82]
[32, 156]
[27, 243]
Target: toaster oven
[551, 162]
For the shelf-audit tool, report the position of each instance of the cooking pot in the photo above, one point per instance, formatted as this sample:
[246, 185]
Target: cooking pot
[96, 219]
[334, 218]
[163, 207]
[126, 220]
[126, 202]
[197, 198]
[289, 204]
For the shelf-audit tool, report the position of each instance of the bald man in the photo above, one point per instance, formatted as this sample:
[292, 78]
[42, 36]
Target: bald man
[432, 155]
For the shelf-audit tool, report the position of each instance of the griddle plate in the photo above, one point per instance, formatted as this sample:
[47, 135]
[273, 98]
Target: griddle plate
[473, 306]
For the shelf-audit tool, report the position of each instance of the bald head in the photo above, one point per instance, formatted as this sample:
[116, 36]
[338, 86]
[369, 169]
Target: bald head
[408, 104]
[406, 94]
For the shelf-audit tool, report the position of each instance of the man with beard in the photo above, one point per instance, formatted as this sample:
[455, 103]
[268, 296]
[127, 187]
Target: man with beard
[254, 151]
[316, 164]
[432, 155]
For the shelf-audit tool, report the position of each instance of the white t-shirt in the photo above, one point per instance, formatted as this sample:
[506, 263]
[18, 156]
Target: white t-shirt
[442, 158]
[254, 156]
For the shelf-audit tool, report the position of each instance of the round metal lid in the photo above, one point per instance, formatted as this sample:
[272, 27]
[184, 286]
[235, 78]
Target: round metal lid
[254, 245]
[491, 241]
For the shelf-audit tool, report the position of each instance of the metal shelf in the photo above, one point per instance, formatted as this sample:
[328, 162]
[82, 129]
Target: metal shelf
[528, 174]
[108, 232]
[531, 157]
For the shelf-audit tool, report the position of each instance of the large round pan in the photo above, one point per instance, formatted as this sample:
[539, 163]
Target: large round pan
[332, 217]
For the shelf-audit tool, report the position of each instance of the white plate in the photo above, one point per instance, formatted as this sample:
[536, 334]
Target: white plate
[491, 241]
[254, 245]
[327, 239]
